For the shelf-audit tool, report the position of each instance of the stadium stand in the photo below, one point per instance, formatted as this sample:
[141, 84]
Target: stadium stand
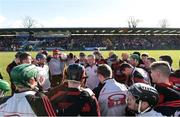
[89, 38]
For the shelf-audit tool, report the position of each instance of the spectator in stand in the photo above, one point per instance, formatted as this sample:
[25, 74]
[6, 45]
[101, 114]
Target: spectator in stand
[134, 74]
[56, 69]
[112, 95]
[169, 101]
[91, 70]
[80, 42]
[142, 98]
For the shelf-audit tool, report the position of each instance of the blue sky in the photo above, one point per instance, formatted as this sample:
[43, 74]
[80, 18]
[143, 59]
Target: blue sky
[89, 13]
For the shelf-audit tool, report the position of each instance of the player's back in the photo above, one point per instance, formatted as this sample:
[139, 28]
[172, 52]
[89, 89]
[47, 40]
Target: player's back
[73, 102]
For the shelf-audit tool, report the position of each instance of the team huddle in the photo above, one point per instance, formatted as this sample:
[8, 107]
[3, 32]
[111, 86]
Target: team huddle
[90, 85]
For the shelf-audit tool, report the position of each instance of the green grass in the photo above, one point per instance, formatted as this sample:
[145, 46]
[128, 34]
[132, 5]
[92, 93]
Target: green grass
[7, 57]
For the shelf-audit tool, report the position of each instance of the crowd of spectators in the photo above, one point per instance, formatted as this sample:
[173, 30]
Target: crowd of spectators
[11, 43]
[80, 42]
[151, 42]
[122, 42]
[8, 43]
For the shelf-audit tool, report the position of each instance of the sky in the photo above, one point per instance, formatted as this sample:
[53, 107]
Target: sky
[89, 13]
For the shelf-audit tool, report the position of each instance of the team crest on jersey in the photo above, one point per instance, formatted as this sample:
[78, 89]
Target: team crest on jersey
[116, 99]
[41, 80]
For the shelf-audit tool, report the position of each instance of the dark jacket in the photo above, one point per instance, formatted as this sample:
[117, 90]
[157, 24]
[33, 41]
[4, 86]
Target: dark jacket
[73, 102]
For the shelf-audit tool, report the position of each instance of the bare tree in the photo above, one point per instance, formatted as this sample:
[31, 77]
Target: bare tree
[29, 22]
[163, 23]
[132, 22]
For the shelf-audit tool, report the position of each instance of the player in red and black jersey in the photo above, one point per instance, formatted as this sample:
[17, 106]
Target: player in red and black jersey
[169, 101]
[70, 99]
[175, 78]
